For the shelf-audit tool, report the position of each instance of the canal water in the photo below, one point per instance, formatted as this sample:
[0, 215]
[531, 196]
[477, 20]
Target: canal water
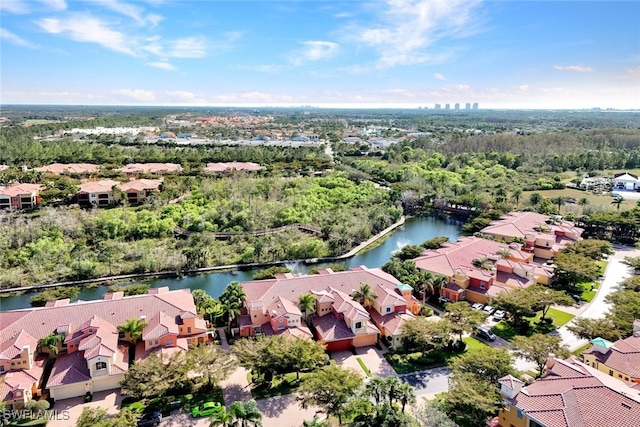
[413, 232]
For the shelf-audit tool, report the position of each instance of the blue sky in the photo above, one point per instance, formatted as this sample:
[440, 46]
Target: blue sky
[396, 53]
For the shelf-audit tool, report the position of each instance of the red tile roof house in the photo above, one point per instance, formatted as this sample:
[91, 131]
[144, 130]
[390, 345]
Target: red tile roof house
[570, 394]
[69, 169]
[337, 320]
[543, 236]
[138, 190]
[455, 261]
[97, 193]
[20, 196]
[93, 357]
[620, 359]
[231, 166]
[135, 169]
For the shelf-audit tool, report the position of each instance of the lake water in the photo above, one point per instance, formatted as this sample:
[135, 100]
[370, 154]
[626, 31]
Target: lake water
[413, 232]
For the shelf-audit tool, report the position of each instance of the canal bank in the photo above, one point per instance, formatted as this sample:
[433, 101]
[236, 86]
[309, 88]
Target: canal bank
[413, 231]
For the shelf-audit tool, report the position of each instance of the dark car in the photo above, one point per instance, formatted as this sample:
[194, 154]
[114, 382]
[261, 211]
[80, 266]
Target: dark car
[485, 333]
[150, 419]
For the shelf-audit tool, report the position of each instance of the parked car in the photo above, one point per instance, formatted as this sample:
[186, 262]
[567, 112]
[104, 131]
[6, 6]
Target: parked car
[149, 419]
[499, 315]
[577, 298]
[477, 306]
[206, 409]
[488, 309]
[485, 333]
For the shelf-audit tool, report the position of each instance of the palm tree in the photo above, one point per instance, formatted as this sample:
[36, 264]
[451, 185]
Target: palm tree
[52, 343]
[377, 389]
[516, 196]
[617, 200]
[535, 199]
[365, 295]
[222, 418]
[504, 253]
[246, 413]
[483, 263]
[428, 283]
[315, 422]
[405, 394]
[132, 329]
[307, 303]
[232, 299]
[558, 201]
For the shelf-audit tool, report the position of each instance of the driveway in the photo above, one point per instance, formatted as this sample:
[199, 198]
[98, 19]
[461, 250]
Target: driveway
[284, 411]
[429, 382]
[109, 400]
[372, 357]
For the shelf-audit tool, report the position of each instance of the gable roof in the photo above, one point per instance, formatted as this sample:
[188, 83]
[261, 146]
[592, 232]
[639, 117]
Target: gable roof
[521, 224]
[140, 185]
[159, 326]
[14, 345]
[623, 355]
[16, 189]
[102, 186]
[60, 168]
[229, 166]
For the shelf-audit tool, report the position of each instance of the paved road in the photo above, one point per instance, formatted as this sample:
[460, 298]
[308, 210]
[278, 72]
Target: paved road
[429, 382]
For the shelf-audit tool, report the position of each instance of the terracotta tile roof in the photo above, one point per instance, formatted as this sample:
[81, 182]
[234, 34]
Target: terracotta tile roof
[150, 167]
[159, 326]
[40, 322]
[103, 186]
[511, 381]
[293, 286]
[623, 356]
[331, 328]
[388, 296]
[295, 332]
[164, 352]
[14, 381]
[519, 224]
[346, 306]
[60, 168]
[572, 394]
[16, 190]
[391, 322]
[69, 369]
[282, 306]
[141, 185]
[225, 167]
[103, 341]
[14, 345]
[513, 280]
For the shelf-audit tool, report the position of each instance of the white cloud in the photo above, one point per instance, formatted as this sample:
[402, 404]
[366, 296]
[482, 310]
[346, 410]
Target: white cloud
[315, 50]
[85, 28]
[409, 27]
[137, 94]
[575, 68]
[14, 6]
[439, 76]
[14, 38]
[632, 73]
[55, 4]
[189, 47]
[162, 65]
[523, 88]
[134, 12]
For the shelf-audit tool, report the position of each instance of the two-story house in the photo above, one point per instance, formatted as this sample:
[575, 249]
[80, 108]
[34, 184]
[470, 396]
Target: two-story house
[135, 169]
[138, 190]
[97, 193]
[19, 196]
[570, 394]
[478, 269]
[620, 359]
[94, 356]
[69, 169]
[337, 320]
[543, 236]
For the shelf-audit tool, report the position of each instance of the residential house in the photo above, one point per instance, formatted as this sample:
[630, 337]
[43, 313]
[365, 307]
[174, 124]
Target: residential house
[69, 169]
[221, 168]
[570, 394]
[542, 235]
[625, 181]
[620, 359]
[337, 320]
[97, 193]
[94, 356]
[138, 190]
[478, 269]
[20, 196]
[135, 169]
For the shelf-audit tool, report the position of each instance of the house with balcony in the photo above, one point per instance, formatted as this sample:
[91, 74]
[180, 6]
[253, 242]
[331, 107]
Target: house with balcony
[570, 394]
[337, 320]
[542, 235]
[478, 269]
[20, 196]
[97, 193]
[94, 356]
[138, 190]
[620, 359]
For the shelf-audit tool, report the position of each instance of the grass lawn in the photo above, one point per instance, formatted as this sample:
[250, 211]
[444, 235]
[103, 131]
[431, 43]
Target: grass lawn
[594, 199]
[281, 384]
[363, 366]
[580, 350]
[560, 318]
[508, 332]
[190, 401]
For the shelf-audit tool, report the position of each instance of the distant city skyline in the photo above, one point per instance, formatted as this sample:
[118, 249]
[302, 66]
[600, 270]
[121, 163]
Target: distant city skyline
[350, 54]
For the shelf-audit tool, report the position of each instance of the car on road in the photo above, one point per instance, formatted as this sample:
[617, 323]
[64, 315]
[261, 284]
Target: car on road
[477, 306]
[485, 333]
[206, 409]
[499, 315]
[488, 309]
[149, 419]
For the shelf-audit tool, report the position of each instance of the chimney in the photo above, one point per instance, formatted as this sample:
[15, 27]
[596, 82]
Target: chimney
[551, 360]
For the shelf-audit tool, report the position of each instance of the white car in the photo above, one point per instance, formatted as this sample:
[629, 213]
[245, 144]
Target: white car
[488, 309]
[477, 306]
[499, 315]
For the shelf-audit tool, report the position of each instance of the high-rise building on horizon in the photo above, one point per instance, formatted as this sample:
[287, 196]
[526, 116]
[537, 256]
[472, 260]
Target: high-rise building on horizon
[447, 106]
[475, 106]
[438, 106]
[467, 106]
[456, 106]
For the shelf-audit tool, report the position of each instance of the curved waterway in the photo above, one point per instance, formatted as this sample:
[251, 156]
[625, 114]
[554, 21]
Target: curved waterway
[413, 232]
